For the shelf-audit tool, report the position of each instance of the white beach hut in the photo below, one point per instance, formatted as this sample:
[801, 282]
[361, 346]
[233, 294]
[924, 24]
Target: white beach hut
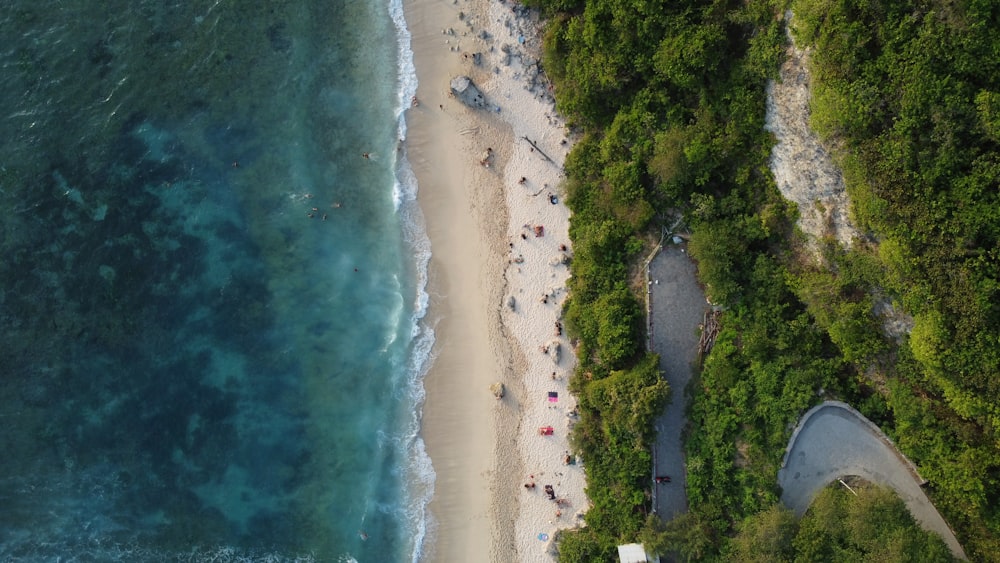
[635, 553]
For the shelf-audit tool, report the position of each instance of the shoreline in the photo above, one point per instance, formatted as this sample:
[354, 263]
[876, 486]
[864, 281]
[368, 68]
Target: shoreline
[481, 224]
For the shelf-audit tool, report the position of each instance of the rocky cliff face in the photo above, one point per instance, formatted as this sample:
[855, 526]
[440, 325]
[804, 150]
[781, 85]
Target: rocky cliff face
[806, 174]
[802, 167]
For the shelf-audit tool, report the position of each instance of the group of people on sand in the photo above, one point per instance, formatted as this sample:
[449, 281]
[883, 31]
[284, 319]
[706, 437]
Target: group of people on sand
[528, 231]
[549, 491]
[551, 494]
[539, 231]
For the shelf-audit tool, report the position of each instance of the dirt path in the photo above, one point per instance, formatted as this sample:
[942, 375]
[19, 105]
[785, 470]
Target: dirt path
[834, 440]
[677, 308]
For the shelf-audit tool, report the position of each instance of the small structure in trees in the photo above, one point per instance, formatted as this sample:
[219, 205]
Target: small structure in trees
[635, 553]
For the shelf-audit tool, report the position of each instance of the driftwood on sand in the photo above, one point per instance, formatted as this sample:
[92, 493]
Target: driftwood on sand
[535, 146]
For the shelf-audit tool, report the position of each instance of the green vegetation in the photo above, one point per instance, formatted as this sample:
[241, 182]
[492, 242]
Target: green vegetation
[871, 524]
[669, 98]
[614, 436]
[909, 90]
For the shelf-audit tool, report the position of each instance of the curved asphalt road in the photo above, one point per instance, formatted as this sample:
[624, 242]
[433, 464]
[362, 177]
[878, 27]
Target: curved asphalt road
[834, 440]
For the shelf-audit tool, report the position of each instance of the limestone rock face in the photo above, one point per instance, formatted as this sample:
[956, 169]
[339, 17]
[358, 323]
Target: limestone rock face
[466, 92]
[804, 170]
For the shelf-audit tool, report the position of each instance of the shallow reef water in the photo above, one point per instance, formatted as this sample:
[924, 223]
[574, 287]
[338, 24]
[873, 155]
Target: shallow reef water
[209, 302]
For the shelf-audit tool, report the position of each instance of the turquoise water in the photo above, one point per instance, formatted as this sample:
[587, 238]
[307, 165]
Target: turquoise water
[210, 298]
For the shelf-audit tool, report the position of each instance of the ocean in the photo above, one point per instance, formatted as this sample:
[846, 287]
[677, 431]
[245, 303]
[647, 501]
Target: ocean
[212, 283]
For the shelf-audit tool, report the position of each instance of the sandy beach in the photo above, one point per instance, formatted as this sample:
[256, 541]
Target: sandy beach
[489, 184]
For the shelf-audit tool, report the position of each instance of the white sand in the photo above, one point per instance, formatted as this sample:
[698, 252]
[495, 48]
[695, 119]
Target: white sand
[484, 450]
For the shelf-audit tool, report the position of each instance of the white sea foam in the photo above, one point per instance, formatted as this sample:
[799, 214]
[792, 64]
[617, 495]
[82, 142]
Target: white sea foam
[420, 472]
[407, 75]
[395, 314]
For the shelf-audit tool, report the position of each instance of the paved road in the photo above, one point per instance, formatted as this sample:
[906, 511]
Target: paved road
[833, 440]
[677, 309]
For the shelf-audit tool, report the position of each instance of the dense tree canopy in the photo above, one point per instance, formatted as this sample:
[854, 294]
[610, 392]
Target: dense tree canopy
[907, 89]
[868, 524]
[669, 101]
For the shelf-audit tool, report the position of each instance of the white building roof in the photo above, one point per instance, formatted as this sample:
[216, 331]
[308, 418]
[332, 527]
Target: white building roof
[632, 553]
